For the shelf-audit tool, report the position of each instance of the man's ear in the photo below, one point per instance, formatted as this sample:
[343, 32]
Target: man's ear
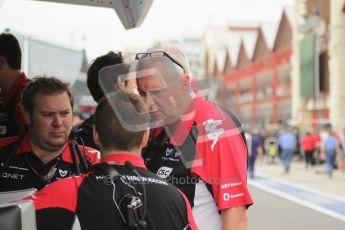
[26, 115]
[186, 80]
[145, 138]
[95, 136]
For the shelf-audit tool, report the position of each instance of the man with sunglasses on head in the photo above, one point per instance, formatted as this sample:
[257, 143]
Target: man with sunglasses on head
[195, 144]
[45, 153]
[119, 193]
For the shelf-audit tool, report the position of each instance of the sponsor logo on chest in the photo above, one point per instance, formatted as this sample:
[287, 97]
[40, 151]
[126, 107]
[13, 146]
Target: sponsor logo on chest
[14, 173]
[63, 173]
[164, 172]
[12, 176]
[170, 154]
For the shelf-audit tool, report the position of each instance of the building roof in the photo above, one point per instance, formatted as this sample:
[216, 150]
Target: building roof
[269, 30]
[223, 41]
[284, 32]
[223, 44]
[249, 41]
[290, 13]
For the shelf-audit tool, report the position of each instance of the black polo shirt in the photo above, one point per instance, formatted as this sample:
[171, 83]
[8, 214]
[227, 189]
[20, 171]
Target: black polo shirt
[91, 197]
[22, 169]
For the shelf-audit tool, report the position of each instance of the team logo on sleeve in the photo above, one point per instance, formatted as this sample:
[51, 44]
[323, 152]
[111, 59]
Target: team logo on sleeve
[213, 132]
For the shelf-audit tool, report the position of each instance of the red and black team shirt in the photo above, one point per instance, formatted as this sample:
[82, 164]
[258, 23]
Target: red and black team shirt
[22, 169]
[12, 122]
[207, 148]
[89, 198]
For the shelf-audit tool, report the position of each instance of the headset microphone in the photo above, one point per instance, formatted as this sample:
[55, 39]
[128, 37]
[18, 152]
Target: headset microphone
[72, 134]
[75, 150]
[141, 223]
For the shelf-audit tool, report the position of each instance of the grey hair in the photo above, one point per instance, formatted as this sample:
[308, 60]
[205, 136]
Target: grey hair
[174, 51]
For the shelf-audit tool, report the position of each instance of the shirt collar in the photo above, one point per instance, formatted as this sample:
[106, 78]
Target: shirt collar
[182, 130]
[121, 158]
[25, 147]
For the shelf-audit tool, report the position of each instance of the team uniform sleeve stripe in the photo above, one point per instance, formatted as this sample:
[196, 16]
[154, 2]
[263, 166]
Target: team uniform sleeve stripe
[191, 221]
[60, 194]
[93, 154]
[7, 140]
[232, 190]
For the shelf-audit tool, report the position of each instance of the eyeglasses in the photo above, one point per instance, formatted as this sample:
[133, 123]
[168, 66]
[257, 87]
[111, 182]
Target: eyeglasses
[139, 56]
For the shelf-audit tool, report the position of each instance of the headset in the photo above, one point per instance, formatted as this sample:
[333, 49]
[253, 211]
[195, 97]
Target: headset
[130, 207]
[74, 146]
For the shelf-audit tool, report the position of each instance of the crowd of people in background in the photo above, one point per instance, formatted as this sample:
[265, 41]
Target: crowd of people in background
[319, 145]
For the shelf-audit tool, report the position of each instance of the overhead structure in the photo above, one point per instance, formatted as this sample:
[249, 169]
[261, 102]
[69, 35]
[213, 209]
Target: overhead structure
[131, 12]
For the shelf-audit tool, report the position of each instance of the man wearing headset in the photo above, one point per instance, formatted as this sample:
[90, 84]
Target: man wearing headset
[196, 145]
[119, 193]
[12, 82]
[45, 153]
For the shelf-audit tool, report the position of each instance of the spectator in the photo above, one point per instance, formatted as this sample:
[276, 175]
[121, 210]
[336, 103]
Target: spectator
[318, 145]
[287, 142]
[254, 148]
[271, 146]
[12, 82]
[341, 164]
[45, 153]
[116, 194]
[324, 133]
[297, 150]
[331, 148]
[308, 143]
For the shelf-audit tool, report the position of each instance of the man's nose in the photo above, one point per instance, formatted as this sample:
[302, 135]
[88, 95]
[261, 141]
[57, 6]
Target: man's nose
[149, 99]
[57, 120]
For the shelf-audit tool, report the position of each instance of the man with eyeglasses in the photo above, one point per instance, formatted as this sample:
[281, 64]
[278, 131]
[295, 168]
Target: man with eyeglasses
[195, 145]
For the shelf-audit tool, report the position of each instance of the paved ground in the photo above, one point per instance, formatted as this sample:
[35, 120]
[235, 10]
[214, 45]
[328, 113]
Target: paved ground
[302, 199]
[271, 212]
[314, 178]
